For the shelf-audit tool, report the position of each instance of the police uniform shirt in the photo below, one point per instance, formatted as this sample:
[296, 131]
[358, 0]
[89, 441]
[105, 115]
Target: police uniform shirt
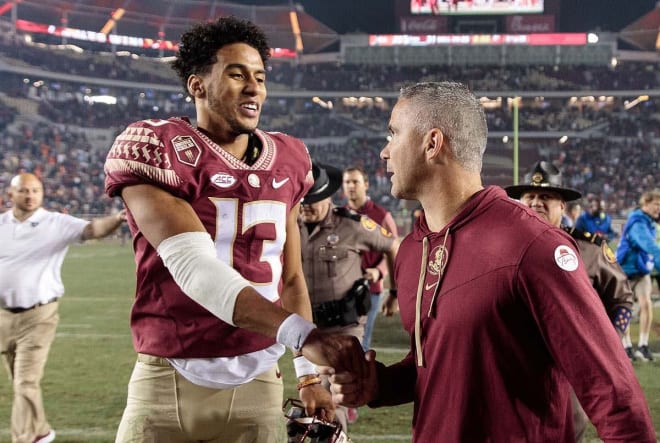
[331, 252]
[607, 277]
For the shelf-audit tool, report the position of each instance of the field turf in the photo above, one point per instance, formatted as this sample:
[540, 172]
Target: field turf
[91, 360]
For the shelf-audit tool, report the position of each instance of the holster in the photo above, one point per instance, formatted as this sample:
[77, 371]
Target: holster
[345, 311]
[335, 313]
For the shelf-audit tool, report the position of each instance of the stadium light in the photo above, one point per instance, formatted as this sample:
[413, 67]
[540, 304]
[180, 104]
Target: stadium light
[112, 21]
[105, 99]
[6, 7]
[295, 27]
[631, 104]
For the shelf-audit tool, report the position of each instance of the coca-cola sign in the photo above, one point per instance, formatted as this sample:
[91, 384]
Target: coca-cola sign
[423, 25]
[530, 24]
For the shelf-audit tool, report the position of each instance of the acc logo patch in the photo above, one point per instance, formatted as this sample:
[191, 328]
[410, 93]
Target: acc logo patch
[566, 258]
[368, 223]
[186, 149]
[608, 253]
[223, 180]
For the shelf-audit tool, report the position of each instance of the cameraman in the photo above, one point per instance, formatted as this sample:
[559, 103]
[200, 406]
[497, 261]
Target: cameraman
[333, 240]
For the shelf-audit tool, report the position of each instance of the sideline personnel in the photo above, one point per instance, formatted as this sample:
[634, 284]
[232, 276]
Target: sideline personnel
[355, 183]
[34, 243]
[638, 253]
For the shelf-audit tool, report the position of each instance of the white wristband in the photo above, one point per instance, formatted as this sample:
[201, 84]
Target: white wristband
[303, 366]
[294, 331]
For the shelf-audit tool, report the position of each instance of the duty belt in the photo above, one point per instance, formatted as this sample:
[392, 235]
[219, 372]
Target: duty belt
[335, 313]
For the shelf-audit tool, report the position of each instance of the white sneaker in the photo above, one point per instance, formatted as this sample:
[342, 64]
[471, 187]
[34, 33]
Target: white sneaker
[45, 438]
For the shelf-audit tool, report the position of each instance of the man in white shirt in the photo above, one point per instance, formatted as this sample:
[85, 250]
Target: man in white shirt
[34, 244]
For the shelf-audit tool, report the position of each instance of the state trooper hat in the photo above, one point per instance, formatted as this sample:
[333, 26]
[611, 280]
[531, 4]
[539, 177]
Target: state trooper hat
[546, 176]
[327, 179]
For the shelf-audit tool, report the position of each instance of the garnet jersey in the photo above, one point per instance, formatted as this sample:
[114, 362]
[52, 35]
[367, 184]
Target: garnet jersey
[244, 208]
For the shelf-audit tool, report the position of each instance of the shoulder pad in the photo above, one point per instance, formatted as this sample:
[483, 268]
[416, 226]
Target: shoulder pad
[577, 234]
[345, 212]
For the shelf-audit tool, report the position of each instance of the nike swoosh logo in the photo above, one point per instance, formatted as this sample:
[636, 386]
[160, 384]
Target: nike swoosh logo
[428, 287]
[279, 184]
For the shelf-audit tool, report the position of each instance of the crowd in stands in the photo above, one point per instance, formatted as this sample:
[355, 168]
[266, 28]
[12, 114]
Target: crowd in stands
[617, 167]
[333, 76]
[616, 154]
[70, 167]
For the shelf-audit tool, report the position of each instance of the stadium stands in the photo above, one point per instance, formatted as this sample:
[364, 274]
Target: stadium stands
[60, 109]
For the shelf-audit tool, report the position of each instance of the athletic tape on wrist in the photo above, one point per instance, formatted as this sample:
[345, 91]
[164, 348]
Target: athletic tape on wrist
[294, 331]
[191, 259]
[303, 366]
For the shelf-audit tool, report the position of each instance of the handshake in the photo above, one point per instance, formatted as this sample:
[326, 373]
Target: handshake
[351, 372]
[339, 358]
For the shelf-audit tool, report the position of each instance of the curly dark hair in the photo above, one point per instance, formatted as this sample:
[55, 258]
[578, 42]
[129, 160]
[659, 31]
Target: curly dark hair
[199, 45]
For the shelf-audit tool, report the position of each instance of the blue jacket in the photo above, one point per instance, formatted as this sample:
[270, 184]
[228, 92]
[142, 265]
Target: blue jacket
[638, 251]
[600, 223]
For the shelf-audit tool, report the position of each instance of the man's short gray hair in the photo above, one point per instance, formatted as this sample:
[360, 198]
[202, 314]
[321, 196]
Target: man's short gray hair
[452, 108]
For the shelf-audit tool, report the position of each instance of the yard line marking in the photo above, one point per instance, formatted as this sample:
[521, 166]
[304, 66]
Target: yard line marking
[92, 335]
[78, 254]
[391, 350]
[94, 432]
[112, 298]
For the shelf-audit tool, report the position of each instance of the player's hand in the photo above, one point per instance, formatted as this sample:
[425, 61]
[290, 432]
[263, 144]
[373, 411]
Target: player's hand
[371, 274]
[318, 402]
[350, 390]
[121, 215]
[342, 353]
[390, 306]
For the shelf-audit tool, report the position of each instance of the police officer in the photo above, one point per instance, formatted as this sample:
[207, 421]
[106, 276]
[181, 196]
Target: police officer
[542, 191]
[333, 239]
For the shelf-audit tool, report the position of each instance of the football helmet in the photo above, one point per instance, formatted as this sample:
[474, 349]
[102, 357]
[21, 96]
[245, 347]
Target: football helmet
[303, 429]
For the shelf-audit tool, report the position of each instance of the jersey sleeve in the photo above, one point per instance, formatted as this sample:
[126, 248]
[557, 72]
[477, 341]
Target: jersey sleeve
[139, 156]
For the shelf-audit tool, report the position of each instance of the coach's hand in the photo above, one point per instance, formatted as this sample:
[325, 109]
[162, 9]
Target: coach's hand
[390, 306]
[342, 353]
[350, 390]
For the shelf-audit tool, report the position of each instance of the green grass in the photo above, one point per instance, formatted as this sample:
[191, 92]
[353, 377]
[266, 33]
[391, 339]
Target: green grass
[92, 357]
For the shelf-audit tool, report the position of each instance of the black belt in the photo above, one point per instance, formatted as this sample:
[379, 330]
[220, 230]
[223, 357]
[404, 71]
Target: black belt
[19, 310]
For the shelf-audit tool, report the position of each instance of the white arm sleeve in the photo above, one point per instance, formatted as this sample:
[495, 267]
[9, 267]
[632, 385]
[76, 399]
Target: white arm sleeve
[191, 259]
